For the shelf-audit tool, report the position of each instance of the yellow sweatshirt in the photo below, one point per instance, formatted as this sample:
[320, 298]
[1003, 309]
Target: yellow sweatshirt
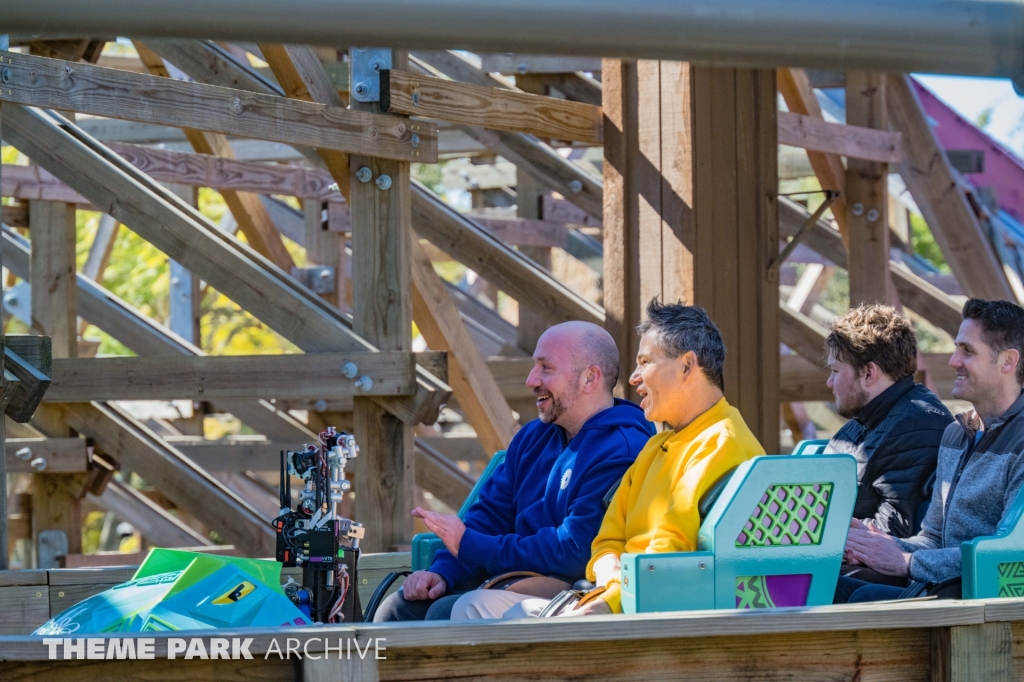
[655, 507]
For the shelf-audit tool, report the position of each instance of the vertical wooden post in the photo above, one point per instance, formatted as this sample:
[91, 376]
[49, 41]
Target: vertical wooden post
[529, 194]
[647, 195]
[56, 502]
[867, 203]
[689, 184]
[325, 248]
[185, 297]
[737, 234]
[966, 653]
[382, 314]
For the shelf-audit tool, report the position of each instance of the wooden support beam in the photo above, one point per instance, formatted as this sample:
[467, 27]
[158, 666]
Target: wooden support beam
[140, 450]
[799, 95]
[56, 498]
[15, 215]
[856, 141]
[521, 279]
[578, 86]
[154, 522]
[801, 380]
[54, 294]
[690, 215]
[805, 336]
[146, 337]
[187, 236]
[498, 108]
[41, 82]
[382, 241]
[867, 202]
[648, 221]
[326, 247]
[62, 455]
[973, 652]
[27, 360]
[914, 292]
[313, 375]
[475, 388]
[223, 173]
[26, 183]
[247, 209]
[934, 187]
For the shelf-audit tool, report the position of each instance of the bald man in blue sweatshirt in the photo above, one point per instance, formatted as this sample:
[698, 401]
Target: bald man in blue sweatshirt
[541, 508]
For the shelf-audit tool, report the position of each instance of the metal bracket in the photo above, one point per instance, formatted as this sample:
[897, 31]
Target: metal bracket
[320, 279]
[366, 65]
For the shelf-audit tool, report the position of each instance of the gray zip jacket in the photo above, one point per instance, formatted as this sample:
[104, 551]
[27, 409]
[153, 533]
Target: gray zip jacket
[987, 487]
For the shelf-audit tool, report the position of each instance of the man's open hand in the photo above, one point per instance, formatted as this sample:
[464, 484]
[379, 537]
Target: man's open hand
[875, 550]
[448, 527]
[424, 585]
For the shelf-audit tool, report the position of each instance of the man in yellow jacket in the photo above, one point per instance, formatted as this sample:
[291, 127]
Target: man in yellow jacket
[679, 376]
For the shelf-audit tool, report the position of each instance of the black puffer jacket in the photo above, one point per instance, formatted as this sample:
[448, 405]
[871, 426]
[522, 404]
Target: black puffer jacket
[895, 439]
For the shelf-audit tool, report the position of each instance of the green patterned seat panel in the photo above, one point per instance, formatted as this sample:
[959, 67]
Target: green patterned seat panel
[1011, 579]
[792, 514]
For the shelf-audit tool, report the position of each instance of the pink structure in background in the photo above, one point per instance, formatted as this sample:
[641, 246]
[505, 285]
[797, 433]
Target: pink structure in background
[1004, 172]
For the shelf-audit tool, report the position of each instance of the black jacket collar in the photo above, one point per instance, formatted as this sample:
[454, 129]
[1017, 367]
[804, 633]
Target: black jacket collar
[872, 414]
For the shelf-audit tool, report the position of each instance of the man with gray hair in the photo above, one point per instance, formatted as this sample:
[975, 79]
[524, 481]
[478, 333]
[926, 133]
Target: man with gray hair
[680, 376]
[541, 508]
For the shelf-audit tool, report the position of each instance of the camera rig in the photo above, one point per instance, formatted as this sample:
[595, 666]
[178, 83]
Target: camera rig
[314, 536]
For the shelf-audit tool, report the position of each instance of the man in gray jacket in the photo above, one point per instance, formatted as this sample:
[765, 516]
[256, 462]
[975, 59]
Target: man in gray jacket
[980, 464]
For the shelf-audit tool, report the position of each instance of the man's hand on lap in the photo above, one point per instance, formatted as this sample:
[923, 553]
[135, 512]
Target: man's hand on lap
[876, 550]
[422, 585]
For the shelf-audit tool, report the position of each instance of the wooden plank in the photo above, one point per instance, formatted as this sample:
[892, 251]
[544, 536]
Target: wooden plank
[802, 334]
[578, 86]
[816, 134]
[15, 215]
[800, 380]
[54, 299]
[24, 609]
[497, 108]
[219, 172]
[867, 201]
[23, 577]
[31, 182]
[475, 388]
[160, 528]
[62, 455]
[200, 378]
[327, 247]
[87, 89]
[973, 652]
[933, 184]
[795, 88]
[188, 237]
[31, 383]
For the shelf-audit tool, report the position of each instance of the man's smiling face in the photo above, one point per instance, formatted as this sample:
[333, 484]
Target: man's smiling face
[555, 378]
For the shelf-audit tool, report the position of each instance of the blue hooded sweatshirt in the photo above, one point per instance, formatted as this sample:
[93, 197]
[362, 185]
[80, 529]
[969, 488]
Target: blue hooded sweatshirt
[541, 509]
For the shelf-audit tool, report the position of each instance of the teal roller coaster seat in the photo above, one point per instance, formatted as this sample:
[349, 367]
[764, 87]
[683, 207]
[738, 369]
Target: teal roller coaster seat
[774, 537]
[426, 545]
[993, 565]
[810, 447]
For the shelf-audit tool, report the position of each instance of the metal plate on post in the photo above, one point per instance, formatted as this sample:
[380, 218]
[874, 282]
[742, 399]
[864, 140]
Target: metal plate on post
[320, 279]
[366, 63]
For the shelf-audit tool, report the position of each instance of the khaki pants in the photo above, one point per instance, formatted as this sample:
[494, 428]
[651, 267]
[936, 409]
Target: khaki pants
[494, 604]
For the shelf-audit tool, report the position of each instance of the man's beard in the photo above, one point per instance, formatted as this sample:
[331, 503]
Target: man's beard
[849, 409]
[559, 404]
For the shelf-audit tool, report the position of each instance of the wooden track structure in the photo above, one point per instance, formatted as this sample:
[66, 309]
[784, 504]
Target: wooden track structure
[651, 178]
